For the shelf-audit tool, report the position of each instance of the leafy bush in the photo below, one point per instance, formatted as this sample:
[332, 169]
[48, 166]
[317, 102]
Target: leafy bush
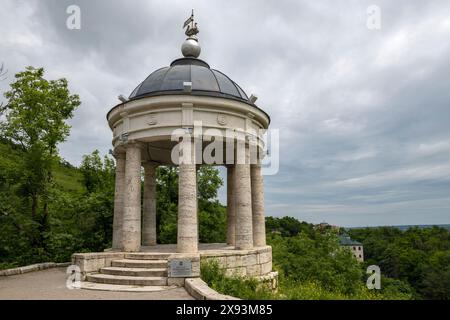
[311, 266]
[244, 288]
[418, 258]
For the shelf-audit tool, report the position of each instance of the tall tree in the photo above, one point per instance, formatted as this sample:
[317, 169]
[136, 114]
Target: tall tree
[35, 118]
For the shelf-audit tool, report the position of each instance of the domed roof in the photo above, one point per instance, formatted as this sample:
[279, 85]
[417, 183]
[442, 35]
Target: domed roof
[205, 81]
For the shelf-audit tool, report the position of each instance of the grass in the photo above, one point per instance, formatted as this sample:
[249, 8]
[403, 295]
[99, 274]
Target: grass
[252, 289]
[67, 178]
[244, 288]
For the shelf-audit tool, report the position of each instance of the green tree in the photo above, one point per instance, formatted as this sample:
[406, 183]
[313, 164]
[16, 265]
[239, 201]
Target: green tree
[436, 282]
[287, 226]
[35, 118]
[317, 257]
[212, 215]
[417, 258]
[36, 114]
[97, 174]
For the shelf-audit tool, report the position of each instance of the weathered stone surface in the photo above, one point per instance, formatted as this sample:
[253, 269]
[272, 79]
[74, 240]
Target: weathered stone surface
[253, 270]
[132, 263]
[259, 226]
[237, 272]
[93, 262]
[147, 255]
[265, 257]
[266, 267]
[244, 222]
[187, 241]
[135, 272]
[29, 268]
[200, 291]
[179, 282]
[91, 265]
[149, 206]
[221, 260]
[270, 279]
[234, 261]
[132, 201]
[252, 262]
[194, 259]
[231, 205]
[127, 280]
[119, 192]
[249, 260]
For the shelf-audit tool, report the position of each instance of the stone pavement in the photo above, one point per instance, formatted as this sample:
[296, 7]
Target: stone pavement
[50, 284]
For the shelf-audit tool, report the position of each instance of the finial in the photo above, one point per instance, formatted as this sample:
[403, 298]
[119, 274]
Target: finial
[192, 29]
[190, 47]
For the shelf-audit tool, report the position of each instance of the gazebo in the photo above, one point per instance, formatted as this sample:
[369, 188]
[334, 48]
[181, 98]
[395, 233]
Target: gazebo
[187, 115]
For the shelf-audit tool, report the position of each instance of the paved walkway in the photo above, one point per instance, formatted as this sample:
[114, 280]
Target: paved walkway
[50, 284]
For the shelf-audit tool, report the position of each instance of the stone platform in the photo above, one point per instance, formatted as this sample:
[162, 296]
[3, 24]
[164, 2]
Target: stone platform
[152, 266]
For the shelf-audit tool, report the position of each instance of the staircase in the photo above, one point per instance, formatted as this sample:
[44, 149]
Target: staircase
[136, 269]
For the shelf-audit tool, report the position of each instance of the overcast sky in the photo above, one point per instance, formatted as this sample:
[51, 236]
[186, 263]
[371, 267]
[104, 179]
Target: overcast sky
[364, 115]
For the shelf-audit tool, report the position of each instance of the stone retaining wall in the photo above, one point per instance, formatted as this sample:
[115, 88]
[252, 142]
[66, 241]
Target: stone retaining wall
[198, 289]
[253, 262]
[193, 258]
[92, 262]
[32, 267]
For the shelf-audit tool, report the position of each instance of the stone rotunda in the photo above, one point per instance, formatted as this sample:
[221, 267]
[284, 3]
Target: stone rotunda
[185, 115]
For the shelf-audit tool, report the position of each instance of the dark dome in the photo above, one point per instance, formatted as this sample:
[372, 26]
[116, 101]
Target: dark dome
[205, 81]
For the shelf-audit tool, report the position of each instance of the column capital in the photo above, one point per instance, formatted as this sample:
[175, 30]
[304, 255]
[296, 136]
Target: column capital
[147, 164]
[135, 143]
[119, 153]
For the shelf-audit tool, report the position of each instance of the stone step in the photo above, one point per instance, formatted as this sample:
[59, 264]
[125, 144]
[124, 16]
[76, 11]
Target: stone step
[127, 280]
[147, 256]
[123, 288]
[135, 272]
[130, 263]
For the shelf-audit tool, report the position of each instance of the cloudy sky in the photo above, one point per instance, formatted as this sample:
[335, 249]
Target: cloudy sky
[363, 114]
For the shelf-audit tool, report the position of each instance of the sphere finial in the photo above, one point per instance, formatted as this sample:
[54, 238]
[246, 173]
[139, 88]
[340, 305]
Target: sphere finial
[190, 47]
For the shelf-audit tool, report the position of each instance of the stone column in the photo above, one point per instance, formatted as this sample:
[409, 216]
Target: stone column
[149, 210]
[244, 231]
[259, 224]
[117, 243]
[132, 201]
[187, 241]
[231, 206]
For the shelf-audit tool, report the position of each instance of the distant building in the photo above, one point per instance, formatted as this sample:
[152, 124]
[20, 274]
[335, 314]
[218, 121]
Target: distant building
[324, 226]
[355, 247]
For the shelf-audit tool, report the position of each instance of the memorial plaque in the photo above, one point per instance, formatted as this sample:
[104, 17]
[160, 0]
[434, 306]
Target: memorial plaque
[180, 268]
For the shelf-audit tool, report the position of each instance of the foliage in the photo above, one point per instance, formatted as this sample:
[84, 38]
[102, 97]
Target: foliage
[37, 109]
[416, 256]
[34, 122]
[287, 226]
[288, 288]
[245, 288]
[311, 266]
[212, 215]
[319, 258]
[97, 174]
